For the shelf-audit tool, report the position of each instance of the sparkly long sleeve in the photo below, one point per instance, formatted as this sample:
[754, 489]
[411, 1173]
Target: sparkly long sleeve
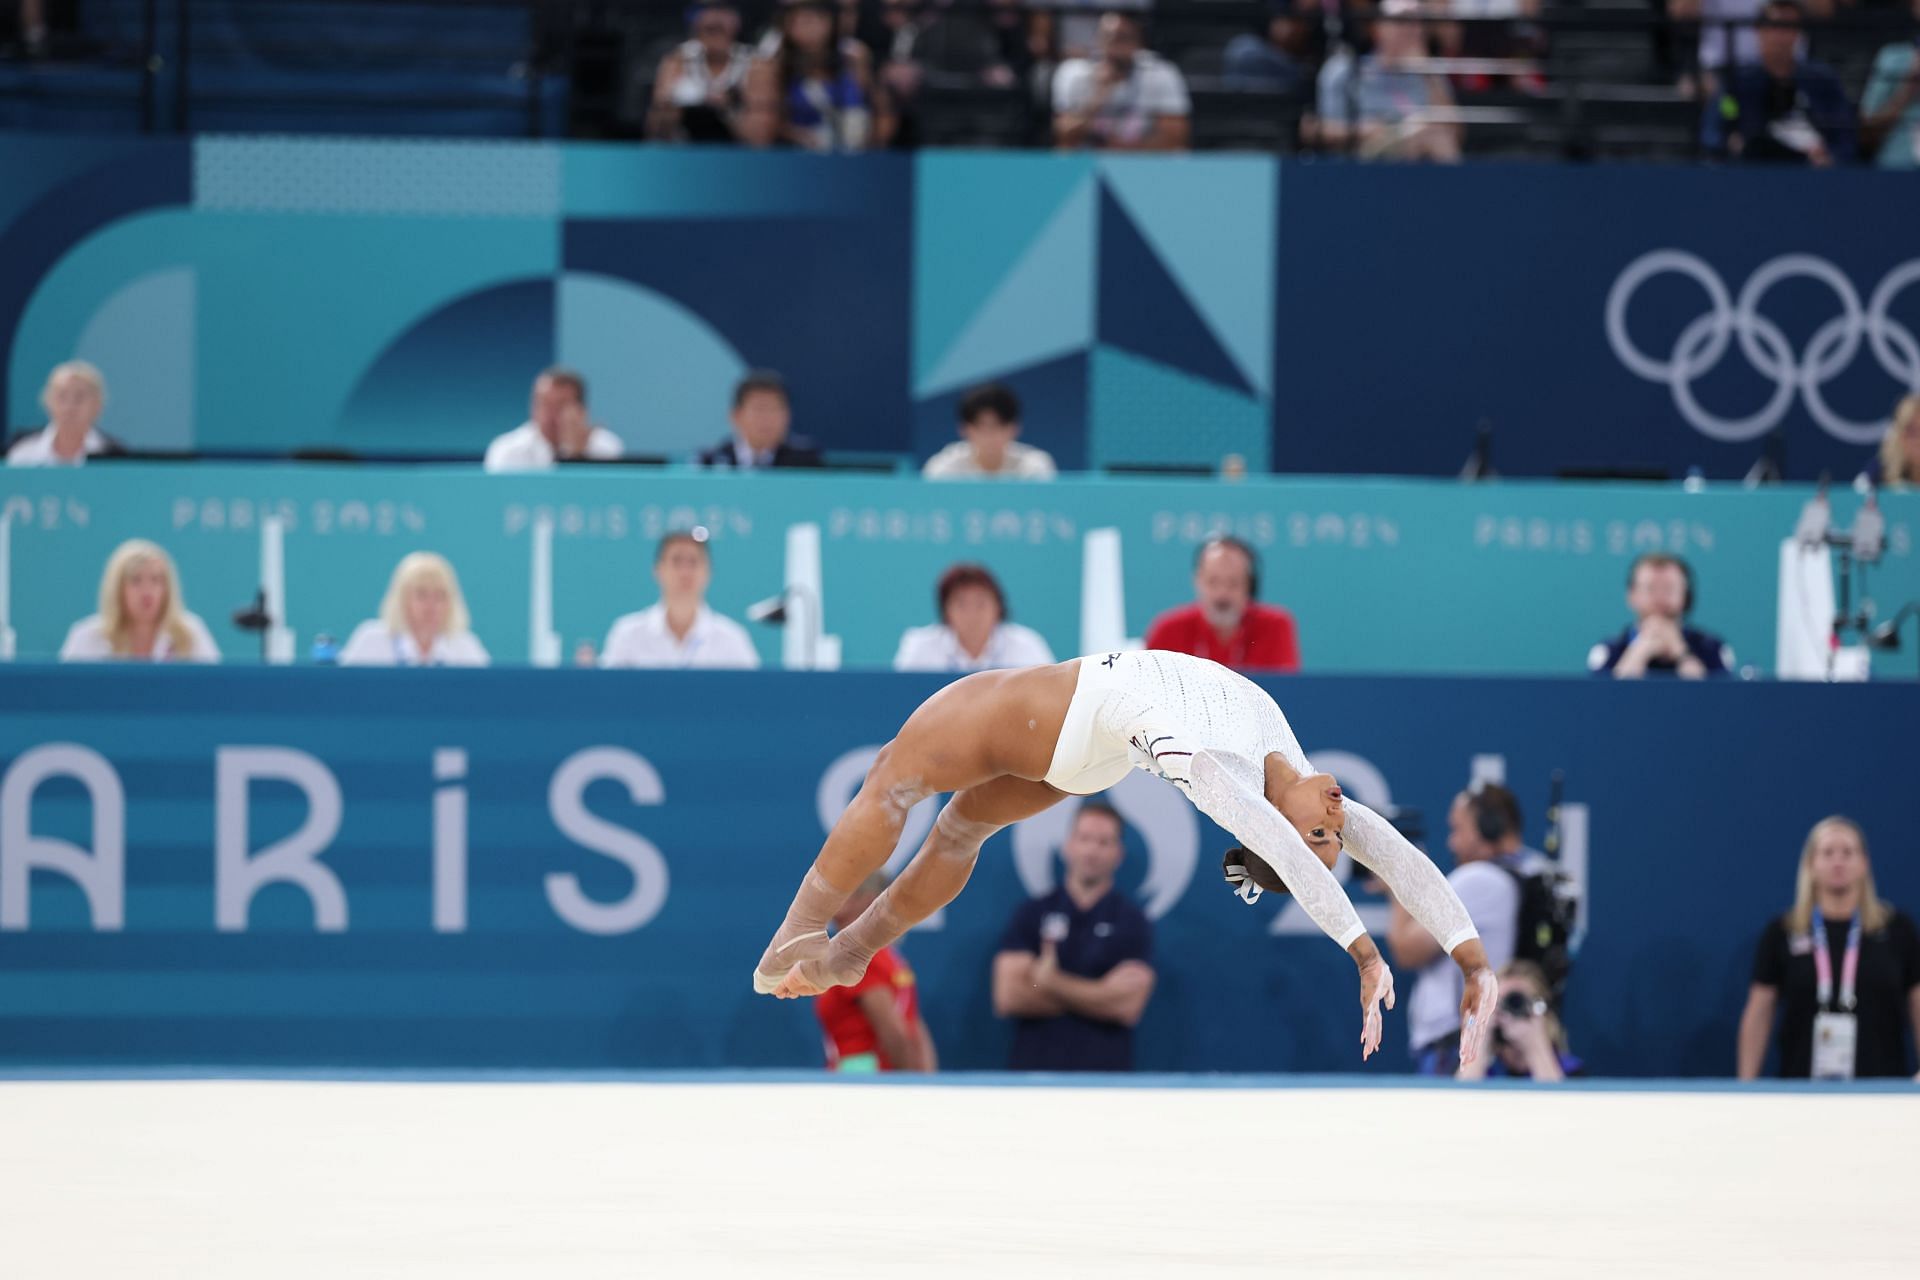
[1218, 790]
[1416, 882]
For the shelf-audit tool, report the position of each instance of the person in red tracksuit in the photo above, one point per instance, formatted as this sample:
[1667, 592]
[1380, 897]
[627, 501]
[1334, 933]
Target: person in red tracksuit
[875, 1024]
[1226, 623]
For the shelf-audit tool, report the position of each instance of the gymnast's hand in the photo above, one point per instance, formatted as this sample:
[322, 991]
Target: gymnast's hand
[1478, 1002]
[1376, 988]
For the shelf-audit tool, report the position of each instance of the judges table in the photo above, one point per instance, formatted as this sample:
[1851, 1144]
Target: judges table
[1382, 575]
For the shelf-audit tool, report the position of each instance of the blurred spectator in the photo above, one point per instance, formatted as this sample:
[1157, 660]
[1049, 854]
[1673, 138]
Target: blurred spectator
[423, 621]
[698, 87]
[893, 39]
[951, 44]
[73, 398]
[1660, 593]
[33, 28]
[1226, 623]
[1123, 98]
[1489, 865]
[989, 444]
[875, 1024]
[1897, 466]
[1891, 103]
[143, 616]
[1072, 28]
[1727, 35]
[1528, 1041]
[1492, 29]
[1271, 60]
[1379, 104]
[1841, 968]
[761, 415]
[962, 40]
[1074, 970]
[1785, 109]
[973, 633]
[680, 630]
[557, 430]
[816, 86]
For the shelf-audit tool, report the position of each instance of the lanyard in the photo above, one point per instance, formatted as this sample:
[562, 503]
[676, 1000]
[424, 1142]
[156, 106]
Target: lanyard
[1823, 962]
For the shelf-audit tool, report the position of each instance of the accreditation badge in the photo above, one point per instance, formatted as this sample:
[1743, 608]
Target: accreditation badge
[1835, 1036]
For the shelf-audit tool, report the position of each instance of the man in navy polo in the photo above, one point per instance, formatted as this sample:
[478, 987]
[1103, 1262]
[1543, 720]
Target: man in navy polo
[1660, 593]
[1074, 969]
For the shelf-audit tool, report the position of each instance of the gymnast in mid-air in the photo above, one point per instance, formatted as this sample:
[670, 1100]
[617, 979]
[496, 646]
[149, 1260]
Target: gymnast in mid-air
[1008, 744]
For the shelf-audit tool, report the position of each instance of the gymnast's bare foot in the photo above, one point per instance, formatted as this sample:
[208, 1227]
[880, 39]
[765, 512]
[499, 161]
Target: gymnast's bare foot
[784, 955]
[835, 968]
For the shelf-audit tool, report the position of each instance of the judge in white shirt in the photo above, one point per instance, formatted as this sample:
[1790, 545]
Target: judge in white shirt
[142, 616]
[989, 446]
[557, 430]
[680, 631]
[74, 396]
[973, 633]
[423, 621]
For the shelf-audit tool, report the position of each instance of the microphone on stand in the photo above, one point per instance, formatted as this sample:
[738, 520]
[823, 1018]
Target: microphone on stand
[1479, 465]
[1816, 519]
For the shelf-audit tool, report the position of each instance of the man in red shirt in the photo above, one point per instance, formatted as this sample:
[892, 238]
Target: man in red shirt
[875, 1024]
[1225, 623]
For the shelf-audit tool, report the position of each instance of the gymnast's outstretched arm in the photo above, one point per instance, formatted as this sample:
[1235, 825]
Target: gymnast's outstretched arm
[1373, 843]
[1428, 898]
[1230, 800]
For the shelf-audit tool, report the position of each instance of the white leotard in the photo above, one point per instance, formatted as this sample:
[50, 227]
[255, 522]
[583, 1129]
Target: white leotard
[1209, 731]
[1151, 710]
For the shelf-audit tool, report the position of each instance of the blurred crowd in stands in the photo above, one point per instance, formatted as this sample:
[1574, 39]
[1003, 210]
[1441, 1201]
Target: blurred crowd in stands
[1794, 81]
[1397, 80]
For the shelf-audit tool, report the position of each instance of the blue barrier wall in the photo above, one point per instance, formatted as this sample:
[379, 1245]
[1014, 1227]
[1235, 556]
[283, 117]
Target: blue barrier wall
[579, 869]
[1383, 575]
[398, 296]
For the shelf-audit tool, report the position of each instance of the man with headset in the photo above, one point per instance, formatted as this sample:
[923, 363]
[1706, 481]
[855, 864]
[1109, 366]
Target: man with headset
[1660, 593]
[1483, 833]
[1226, 623]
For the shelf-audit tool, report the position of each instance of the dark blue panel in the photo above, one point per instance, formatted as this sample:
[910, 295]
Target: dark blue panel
[1415, 302]
[428, 389]
[1695, 832]
[1053, 407]
[128, 178]
[1144, 311]
[824, 300]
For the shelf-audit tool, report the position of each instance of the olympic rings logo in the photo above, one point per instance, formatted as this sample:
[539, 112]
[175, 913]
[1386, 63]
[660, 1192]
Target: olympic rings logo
[1833, 347]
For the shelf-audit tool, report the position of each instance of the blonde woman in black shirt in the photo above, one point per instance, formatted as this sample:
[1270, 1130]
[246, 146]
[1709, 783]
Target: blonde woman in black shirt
[1841, 969]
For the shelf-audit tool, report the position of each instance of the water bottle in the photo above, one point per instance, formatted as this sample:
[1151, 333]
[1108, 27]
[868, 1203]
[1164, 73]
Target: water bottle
[326, 650]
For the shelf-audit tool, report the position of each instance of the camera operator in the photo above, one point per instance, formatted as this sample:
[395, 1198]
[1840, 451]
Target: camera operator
[1491, 868]
[1528, 1041]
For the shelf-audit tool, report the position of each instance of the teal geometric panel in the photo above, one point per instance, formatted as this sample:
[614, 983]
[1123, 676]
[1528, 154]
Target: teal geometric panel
[1143, 309]
[1144, 412]
[976, 217]
[356, 175]
[1212, 224]
[1039, 309]
[145, 335]
[661, 377]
